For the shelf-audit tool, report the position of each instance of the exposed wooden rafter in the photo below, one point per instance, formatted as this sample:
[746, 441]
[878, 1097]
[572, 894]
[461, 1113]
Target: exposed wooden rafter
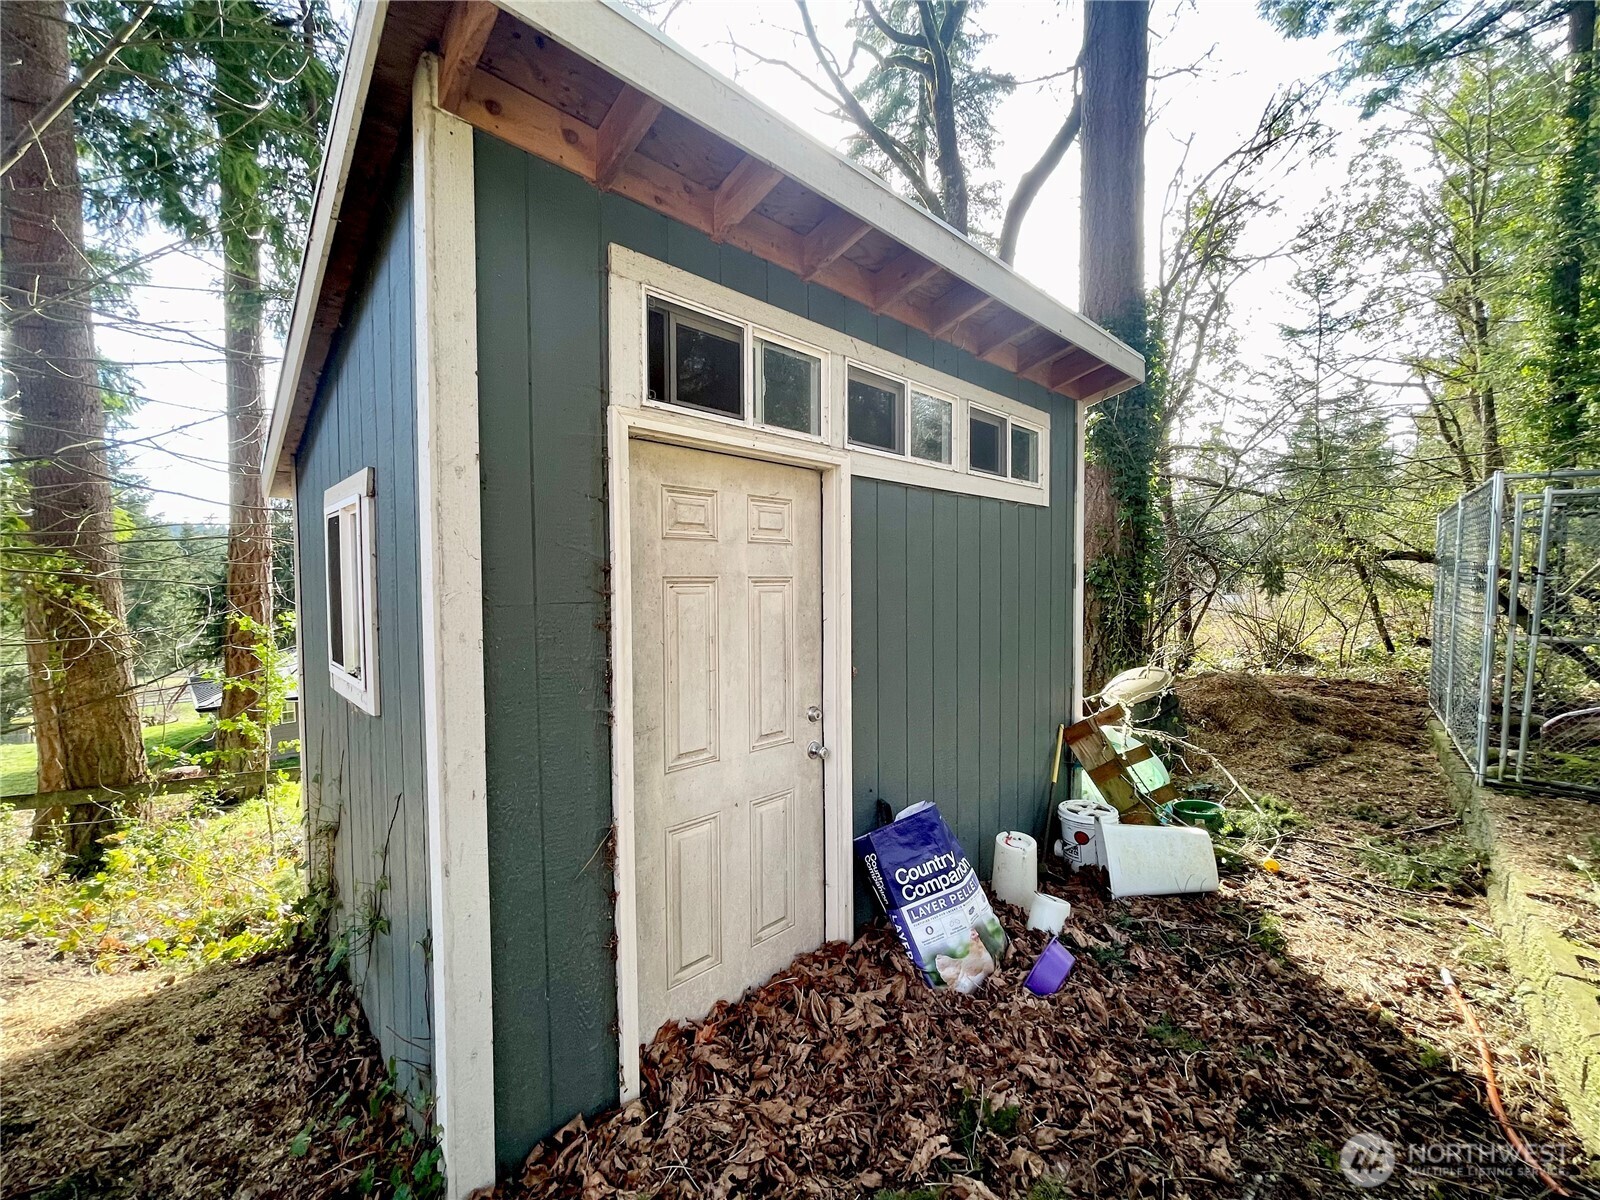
[955, 306]
[736, 197]
[1068, 370]
[1094, 382]
[466, 33]
[1031, 360]
[619, 135]
[964, 314]
[1006, 326]
[894, 282]
[834, 234]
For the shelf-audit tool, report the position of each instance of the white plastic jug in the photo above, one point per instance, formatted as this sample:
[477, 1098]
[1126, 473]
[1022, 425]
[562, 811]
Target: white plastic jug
[1080, 837]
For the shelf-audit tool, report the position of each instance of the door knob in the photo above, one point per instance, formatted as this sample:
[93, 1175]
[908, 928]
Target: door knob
[818, 750]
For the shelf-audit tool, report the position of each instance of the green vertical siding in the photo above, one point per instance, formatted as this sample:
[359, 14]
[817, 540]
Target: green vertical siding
[363, 775]
[960, 641]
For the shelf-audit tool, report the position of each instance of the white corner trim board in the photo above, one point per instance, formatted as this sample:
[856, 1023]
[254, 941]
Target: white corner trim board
[1078, 580]
[450, 556]
[625, 424]
[637, 278]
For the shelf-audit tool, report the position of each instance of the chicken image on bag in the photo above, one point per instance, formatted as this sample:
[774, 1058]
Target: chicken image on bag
[933, 897]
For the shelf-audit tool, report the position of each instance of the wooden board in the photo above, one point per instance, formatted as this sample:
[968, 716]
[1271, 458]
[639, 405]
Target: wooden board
[1111, 771]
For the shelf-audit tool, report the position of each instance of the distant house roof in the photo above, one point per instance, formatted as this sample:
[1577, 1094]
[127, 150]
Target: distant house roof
[207, 693]
[594, 89]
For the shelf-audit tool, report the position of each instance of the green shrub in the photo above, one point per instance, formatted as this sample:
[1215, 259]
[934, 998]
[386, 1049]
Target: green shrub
[197, 884]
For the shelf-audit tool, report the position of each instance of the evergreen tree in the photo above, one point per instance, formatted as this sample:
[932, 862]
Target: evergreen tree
[1400, 47]
[1121, 525]
[61, 559]
[214, 129]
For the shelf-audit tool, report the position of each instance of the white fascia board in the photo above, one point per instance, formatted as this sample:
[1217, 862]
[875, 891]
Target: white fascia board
[646, 59]
[338, 151]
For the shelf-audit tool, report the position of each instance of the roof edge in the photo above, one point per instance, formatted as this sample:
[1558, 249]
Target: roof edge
[338, 153]
[617, 41]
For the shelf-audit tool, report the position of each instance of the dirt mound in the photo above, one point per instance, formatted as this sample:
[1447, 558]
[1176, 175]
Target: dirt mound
[1241, 706]
[1298, 721]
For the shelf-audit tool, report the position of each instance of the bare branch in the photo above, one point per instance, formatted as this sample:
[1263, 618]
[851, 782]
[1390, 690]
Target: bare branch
[1034, 179]
[892, 149]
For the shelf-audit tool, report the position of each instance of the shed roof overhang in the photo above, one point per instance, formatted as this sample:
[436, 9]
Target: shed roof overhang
[598, 92]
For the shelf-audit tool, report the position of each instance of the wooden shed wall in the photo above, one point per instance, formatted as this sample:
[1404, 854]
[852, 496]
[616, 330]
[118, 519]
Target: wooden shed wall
[364, 775]
[962, 637]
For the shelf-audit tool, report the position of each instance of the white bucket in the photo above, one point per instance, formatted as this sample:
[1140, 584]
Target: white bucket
[1016, 868]
[1048, 913]
[1080, 844]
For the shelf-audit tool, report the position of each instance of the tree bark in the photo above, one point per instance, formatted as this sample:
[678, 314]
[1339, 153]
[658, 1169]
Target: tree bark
[241, 740]
[80, 657]
[942, 98]
[1034, 178]
[1574, 221]
[1120, 522]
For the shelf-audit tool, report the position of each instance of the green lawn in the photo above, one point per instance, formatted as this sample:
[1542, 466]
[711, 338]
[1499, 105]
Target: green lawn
[18, 763]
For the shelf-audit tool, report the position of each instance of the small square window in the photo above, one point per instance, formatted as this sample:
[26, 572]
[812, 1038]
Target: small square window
[930, 428]
[986, 442]
[876, 411]
[694, 360]
[350, 575]
[788, 388]
[1024, 454]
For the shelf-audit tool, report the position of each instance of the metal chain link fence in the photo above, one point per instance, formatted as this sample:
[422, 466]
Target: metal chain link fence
[1515, 673]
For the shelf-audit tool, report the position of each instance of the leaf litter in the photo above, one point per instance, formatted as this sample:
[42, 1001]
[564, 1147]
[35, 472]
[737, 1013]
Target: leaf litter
[1214, 1046]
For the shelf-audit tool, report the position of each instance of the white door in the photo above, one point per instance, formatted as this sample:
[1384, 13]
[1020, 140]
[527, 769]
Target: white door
[727, 626]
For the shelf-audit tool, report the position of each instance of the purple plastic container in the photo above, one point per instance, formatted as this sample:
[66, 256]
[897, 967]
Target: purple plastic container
[1051, 971]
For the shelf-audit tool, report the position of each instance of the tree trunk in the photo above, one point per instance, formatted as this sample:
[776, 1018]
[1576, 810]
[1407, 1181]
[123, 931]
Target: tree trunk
[1577, 172]
[242, 741]
[947, 135]
[80, 657]
[1369, 593]
[1120, 519]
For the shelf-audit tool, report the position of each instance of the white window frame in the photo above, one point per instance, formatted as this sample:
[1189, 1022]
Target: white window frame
[957, 406]
[750, 332]
[1039, 435]
[904, 419]
[636, 279]
[759, 333]
[353, 496]
[1004, 440]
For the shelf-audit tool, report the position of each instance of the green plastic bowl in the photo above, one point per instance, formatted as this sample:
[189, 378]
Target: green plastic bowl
[1207, 814]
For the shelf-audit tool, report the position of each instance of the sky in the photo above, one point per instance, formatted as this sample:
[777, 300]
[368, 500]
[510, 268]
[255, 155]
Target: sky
[1214, 64]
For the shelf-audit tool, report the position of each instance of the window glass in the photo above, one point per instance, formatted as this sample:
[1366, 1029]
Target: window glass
[789, 388]
[335, 592]
[695, 361]
[930, 428]
[986, 442]
[1024, 454]
[709, 368]
[656, 320]
[875, 412]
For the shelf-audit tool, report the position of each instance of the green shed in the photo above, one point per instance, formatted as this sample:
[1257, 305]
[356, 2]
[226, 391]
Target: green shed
[668, 492]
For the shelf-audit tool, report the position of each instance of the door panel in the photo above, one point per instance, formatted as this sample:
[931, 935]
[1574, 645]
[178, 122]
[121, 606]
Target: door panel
[728, 813]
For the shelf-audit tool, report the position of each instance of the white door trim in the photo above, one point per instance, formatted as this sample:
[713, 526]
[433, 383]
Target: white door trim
[1078, 581]
[445, 282]
[625, 423]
